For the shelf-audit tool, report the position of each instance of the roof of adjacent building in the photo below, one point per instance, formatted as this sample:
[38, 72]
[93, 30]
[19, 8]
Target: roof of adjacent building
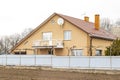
[87, 27]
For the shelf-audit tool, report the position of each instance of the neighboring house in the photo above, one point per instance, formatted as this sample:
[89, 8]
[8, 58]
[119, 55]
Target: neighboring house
[63, 35]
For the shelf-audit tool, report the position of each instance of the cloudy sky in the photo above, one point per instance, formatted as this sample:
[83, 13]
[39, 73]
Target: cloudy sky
[16, 15]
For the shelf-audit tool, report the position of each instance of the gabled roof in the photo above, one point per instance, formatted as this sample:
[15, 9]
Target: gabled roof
[87, 27]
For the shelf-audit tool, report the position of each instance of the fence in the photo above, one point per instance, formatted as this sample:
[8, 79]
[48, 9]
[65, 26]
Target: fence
[92, 62]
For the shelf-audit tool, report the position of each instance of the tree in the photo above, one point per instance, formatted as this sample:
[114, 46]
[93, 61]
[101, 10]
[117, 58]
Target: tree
[106, 24]
[118, 22]
[7, 42]
[113, 49]
[1, 46]
[14, 39]
[26, 32]
[4, 44]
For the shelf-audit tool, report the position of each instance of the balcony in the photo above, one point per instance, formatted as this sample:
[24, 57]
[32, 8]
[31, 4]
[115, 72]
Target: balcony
[48, 44]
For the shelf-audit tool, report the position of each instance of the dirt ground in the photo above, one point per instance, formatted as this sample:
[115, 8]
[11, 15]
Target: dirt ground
[38, 74]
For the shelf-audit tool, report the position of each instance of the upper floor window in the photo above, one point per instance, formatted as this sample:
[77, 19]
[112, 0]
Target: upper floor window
[67, 35]
[47, 35]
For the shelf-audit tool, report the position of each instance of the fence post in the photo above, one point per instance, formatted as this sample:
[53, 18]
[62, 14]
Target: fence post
[69, 60]
[35, 56]
[20, 57]
[89, 60]
[51, 60]
[110, 59]
[6, 58]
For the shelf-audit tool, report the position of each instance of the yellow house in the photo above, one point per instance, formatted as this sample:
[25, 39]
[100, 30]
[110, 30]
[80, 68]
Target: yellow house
[63, 35]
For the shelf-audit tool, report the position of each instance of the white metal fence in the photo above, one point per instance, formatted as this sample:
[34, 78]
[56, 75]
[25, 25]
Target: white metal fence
[92, 62]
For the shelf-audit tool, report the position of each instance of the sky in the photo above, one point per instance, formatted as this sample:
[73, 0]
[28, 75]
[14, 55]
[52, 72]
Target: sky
[17, 15]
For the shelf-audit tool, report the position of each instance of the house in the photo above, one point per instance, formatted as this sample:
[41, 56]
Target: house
[63, 35]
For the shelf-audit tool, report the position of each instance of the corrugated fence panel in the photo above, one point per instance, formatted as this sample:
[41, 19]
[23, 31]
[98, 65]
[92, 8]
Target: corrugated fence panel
[28, 60]
[1, 60]
[43, 60]
[100, 62]
[79, 61]
[115, 62]
[60, 61]
[13, 60]
[93, 62]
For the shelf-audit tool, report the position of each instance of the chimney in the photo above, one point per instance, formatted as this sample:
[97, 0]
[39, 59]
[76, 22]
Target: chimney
[97, 22]
[86, 18]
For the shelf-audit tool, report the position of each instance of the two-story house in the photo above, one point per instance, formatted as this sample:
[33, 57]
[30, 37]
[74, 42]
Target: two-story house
[63, 35]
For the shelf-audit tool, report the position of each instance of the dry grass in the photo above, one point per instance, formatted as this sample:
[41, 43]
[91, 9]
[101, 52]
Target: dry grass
[38, 74]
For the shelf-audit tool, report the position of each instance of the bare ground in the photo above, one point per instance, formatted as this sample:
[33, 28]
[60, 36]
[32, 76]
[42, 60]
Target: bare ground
[38, 74]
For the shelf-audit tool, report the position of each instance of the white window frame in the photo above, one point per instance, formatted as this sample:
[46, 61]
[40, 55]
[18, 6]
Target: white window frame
[67, 35]
[77, 52]
[47, 35]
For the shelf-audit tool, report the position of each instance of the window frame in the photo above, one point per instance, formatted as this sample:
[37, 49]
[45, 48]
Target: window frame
[44, 38]
[76, 53]
[67, 35]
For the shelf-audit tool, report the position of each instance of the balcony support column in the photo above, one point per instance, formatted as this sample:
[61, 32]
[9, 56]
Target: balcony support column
[53, 50]
[36, 51]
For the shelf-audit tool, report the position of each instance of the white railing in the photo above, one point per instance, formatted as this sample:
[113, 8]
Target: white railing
[86, 62]
[46, 43]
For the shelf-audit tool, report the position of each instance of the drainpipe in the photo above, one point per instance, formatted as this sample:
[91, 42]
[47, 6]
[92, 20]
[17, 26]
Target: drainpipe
[90, 46]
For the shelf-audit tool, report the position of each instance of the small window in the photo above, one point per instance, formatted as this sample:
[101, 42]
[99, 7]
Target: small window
[98, 53]
[77, 52]
[53, 21]
[20, 53]
[47, 36]
[67, 35]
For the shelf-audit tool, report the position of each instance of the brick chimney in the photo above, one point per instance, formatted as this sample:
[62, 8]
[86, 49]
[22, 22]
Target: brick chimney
[86, 18]
[97, 22]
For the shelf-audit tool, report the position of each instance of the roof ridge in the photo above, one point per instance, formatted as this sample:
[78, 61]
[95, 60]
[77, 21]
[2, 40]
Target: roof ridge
[74, 17]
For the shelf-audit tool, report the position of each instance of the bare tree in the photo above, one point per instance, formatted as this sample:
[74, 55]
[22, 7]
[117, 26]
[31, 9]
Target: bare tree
[14, 39]
[118, 22]
[7, 42]
[26, 32]
[1, 46]
[4, 44]
[106, 24]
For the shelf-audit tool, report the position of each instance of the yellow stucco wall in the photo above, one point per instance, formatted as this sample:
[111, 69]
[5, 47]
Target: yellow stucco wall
[100, 44]
[80, 39]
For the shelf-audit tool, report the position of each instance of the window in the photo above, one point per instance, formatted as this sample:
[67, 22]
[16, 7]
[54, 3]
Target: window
[77, 52]
[67, 35]
[20, 53]
[98, 53]
[47, 36]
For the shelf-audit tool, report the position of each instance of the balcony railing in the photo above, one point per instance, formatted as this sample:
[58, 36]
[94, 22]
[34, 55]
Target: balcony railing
[48, 43]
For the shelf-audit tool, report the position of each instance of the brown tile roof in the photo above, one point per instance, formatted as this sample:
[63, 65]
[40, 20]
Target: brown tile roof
[88, 27]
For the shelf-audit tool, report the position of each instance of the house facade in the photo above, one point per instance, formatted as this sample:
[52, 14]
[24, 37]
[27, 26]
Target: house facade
[63, 35]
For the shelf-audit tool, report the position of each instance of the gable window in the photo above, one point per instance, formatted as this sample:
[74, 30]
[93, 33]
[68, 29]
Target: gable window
[98, 53]
[20, 53]
[67, 35]
[47, 35]
[77, 52]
